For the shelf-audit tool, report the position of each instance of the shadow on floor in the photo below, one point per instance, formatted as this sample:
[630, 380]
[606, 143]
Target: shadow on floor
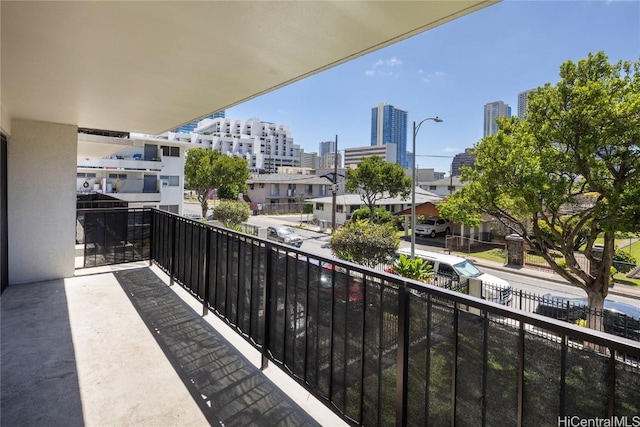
[39, 384]
[227, 387]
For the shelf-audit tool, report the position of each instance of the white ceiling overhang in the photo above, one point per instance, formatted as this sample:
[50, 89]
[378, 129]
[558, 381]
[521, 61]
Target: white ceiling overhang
[147, 66]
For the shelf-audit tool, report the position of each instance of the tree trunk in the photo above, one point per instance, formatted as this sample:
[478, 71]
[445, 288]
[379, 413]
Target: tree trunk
[204, 205]
[594, 314]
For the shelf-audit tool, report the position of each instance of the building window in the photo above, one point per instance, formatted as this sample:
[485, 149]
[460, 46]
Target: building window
[432, 187]
[171, 181]
[117, 176]
[339, 208]
[309, 189]
[85, 175]
[319, 206]
[170, 208]
[170, 151]
[452, 188]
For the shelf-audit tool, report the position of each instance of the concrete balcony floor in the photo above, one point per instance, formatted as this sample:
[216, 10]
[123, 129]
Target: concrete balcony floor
[110, 347]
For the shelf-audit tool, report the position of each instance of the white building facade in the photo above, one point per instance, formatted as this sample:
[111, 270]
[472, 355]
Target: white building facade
[266, 146]
[139, 170]
[353, 156]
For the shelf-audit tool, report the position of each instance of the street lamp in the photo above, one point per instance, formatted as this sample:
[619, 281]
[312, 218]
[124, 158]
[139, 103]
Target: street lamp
[416, 128]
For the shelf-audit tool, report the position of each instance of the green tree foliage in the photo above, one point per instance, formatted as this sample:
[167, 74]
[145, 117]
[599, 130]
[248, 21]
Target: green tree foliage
[381, 215]
[374, 179]
[232, 213]
[205, 170]
[230, 191]
[581, 236]
[365, 243]
[572, 164]
[623, 261]
[416, 268]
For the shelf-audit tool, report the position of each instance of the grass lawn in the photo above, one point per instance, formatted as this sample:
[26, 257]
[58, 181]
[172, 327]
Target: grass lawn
[620, 278]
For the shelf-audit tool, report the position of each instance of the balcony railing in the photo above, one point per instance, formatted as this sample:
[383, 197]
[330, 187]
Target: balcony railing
[121, 164]
[382, 350]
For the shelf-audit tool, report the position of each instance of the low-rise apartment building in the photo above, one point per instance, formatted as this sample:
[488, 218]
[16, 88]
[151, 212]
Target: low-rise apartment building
[140, 170]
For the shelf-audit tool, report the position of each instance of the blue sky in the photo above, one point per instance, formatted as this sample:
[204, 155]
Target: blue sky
[451, 71]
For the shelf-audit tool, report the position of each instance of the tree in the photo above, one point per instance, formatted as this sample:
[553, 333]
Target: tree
[573, 165]
[230, 191]
[365, 243]
[205, 170]
[232, 213]
[375, 178]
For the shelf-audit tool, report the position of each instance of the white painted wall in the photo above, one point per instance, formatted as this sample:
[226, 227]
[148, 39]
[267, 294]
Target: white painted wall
[41, 200]
[173, 166]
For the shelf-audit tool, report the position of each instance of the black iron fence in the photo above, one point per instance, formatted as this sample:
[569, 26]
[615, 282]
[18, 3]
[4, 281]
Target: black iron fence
[382, 350]
[616, 318]
[113, 236]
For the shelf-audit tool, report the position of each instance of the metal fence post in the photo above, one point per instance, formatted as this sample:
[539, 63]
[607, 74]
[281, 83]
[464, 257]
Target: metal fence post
[402, 375]
[174, 246]
[266, 308]
[205, 296]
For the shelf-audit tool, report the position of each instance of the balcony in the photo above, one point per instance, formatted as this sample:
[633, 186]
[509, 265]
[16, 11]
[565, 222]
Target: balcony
[121, 164]
[133, 190]
[375, 348]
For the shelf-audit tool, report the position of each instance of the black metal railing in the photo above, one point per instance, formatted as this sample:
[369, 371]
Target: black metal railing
[113, 236]
[382, 350]
[616, 318]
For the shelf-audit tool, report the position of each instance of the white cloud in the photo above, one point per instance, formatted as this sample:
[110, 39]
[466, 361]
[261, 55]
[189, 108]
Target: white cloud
[450, 150]
[430, 77]
[389, 67]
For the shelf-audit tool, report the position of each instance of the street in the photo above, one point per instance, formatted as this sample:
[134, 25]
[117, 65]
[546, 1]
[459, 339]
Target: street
[318, 243]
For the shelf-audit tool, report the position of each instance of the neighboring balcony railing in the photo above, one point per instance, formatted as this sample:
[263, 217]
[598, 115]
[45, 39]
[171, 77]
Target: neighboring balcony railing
[379, 349]
[121, 164]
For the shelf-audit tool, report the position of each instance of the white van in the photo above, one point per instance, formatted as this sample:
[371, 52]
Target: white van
[493, 288]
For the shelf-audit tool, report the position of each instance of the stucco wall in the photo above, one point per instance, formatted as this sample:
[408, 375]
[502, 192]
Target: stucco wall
[41, 200]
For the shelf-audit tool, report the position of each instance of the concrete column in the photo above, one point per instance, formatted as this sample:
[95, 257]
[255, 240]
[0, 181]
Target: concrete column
[515, 250]
[41, 200]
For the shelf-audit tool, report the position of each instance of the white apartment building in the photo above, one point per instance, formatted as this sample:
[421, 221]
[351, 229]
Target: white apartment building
[353, 156]
[266, 146]
[140, 170]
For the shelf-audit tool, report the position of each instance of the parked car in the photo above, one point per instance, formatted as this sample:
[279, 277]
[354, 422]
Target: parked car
[432, 226]
[455, 268]
[284, 235]
[619, 318]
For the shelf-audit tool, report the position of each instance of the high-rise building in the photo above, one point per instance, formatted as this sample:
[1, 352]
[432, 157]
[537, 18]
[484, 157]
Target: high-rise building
[467, 158]
[266, 146]
[389, 126]
[327, 147]
[492, 111]
[523, 102]
[190, 127]
[309, 160]
[354, 155]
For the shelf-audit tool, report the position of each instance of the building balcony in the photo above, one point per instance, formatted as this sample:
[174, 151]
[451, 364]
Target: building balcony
[121, 164]
[129, 190]
[375, 348]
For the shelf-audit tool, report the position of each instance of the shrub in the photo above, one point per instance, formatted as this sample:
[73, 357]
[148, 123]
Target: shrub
[416, 268]
[382, 216]
[365, 243]
[623, 261]
[231, 213]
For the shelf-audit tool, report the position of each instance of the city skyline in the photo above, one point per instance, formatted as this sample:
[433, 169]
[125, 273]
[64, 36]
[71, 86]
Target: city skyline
[451, 71]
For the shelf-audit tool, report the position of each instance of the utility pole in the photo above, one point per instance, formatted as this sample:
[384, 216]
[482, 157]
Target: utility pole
[334, 188]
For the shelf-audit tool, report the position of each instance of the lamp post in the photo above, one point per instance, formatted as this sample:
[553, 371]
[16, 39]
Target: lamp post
[416, 128]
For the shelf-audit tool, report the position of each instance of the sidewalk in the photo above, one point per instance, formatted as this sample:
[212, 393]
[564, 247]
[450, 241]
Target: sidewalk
[538, 273]
[617, 289]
